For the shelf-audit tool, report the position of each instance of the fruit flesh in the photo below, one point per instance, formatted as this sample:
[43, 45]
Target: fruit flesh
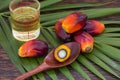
[62, 53]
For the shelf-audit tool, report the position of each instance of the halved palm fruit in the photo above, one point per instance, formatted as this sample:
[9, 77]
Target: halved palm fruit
[62, 53]
[65, 51]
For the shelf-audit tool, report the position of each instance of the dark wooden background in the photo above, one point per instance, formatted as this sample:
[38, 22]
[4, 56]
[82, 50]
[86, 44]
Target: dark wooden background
[8, 71]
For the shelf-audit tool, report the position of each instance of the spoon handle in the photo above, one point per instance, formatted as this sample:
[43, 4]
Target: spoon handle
[38, 69]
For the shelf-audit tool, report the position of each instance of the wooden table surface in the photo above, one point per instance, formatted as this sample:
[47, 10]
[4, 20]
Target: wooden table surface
[8, 71]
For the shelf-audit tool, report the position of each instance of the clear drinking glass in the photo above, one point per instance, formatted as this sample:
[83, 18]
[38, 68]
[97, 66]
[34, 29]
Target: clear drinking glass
[25, 19]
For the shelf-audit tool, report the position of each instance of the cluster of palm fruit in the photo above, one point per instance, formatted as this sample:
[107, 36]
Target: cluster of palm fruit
[78, 28]
[74, 28]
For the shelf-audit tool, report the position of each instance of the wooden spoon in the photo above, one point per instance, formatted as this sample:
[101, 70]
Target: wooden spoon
[50, 62]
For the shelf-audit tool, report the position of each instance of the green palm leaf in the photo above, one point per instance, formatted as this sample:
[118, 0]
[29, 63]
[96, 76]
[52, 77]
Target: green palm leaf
[89, 66]
[96, 13]
[91, 13]
[111, 22]
[4, 4]
[69, 6]
[52, 74]
[49, 2]
[6, 45]
[112, 29]
[111, 35]
[106, 59]
[77, 67]
[67, 73]
[100, 63]
[108, 50]
[110, 41]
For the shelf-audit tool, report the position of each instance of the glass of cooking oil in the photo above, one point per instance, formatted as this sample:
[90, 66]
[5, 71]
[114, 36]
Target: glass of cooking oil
[25, 16]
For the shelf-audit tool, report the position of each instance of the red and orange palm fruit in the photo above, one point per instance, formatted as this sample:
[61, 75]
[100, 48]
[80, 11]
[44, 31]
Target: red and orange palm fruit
[62, 35]
[33, 48]
[94, 27]
[85, 40]
[74, 22]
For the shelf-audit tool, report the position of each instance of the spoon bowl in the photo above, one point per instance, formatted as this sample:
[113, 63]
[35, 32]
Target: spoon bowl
[51, 61]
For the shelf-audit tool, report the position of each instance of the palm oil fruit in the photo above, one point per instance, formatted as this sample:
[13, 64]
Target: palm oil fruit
[62, 35]
[33, 48]
[85, 40]
[74, 22]
[94, 27]
[64, 51]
